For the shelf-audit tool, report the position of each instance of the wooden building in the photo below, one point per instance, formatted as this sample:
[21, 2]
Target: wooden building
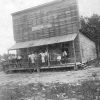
[53, 27]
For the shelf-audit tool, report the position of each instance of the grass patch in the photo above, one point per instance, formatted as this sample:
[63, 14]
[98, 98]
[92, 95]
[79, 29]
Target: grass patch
[87, 90]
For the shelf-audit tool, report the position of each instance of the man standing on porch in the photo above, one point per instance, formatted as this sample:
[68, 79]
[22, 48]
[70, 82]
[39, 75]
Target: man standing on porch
[65, 56]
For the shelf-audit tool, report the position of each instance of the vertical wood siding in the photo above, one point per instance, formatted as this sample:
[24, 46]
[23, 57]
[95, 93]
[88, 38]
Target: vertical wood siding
[77, 49]
[62, 16]
[88, 48]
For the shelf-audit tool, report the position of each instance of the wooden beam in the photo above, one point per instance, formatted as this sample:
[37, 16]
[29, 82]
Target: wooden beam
[48, 57]
[80, 47]
[75, 68]
[27, 56]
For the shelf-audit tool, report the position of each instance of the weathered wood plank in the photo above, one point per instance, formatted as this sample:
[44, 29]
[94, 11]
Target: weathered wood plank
[62, 18]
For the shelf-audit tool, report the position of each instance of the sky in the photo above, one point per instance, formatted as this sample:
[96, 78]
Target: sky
[86, 8]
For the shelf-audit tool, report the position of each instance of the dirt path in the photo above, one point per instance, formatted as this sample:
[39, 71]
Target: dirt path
[48, 77]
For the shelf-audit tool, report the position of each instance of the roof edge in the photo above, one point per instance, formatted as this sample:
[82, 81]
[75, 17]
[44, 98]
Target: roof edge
[14, 46]
[37, 7]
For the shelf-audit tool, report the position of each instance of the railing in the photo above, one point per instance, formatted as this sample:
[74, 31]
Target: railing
[25, 64]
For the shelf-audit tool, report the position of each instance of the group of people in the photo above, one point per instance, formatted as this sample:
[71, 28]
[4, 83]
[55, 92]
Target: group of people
[62, 57]
[41, 57]
[14, 57]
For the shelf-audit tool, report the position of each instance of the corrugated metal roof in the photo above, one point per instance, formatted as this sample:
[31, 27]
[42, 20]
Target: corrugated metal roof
[46, 41]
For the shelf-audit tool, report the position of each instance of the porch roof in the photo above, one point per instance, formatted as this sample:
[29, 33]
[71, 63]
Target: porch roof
[46, 41]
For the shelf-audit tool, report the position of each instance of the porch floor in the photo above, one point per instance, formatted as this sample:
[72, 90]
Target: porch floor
[67, 65]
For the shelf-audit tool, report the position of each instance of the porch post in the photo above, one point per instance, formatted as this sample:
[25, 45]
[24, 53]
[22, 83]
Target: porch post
[27, 57]
[75, 68]
[8, 55]
[8, 61]
[48, 57]
[80, 48]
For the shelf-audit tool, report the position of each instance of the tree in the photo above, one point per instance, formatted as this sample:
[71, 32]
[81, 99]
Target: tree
[90, 26]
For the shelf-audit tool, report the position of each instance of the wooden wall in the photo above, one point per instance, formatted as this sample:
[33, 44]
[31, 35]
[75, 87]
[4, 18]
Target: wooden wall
[52, 19]
[88, 48]
[77, 49]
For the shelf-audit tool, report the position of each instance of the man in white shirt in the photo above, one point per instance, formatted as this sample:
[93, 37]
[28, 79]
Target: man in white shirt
[42, 57]
[32, 58]
[65, 56]
[64, 53]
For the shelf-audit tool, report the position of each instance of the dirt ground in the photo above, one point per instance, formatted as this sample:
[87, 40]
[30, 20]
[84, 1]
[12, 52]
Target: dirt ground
[48, 77]
[17, 86]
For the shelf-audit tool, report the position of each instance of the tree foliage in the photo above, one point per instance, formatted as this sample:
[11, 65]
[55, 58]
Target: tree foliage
[90, 27]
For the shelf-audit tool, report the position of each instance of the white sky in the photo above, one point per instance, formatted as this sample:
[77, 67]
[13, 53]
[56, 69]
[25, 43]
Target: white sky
[87, 7]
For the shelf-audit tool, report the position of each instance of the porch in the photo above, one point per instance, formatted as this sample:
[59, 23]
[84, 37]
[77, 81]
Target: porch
[56, 48]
